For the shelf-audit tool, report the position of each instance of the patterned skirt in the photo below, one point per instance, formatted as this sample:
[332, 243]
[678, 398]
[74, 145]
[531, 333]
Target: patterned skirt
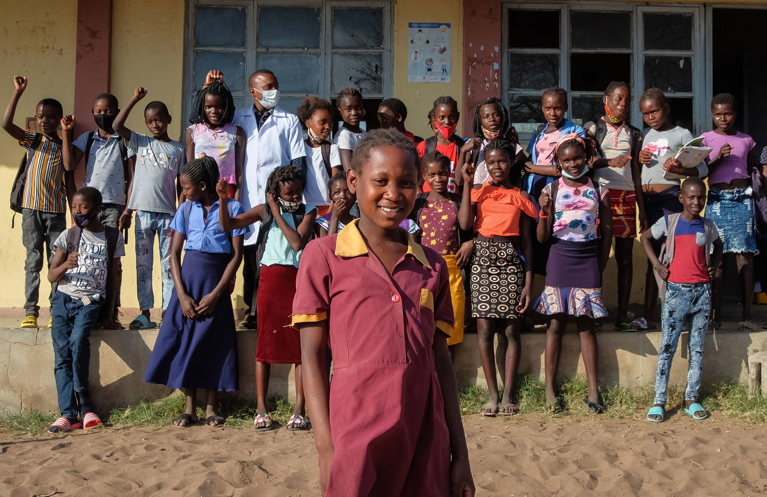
[733, 213]
[497, 280]
[573, 301]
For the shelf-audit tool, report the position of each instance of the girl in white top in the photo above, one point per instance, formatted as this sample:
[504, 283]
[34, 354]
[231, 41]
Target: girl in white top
[352, 111]
[322, 158]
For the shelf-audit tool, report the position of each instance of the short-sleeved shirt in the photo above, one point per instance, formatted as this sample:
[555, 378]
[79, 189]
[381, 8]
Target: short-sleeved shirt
[439, 223]
[202, 235]
[662, 145]
[575, 215]
[499, 210]
[277, 249]
[689, 263]
[451, 152]
[316, 189]
[44, 189]
[347, 139]
[736, 165]
[617, 141]
[89, 278]
[219, 143]
[158, 163]
[104, 166]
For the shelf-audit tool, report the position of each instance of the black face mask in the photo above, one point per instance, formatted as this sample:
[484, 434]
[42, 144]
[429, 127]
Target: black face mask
[104, 121]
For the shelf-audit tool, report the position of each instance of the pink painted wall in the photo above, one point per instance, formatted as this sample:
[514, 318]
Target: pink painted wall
[482, 27]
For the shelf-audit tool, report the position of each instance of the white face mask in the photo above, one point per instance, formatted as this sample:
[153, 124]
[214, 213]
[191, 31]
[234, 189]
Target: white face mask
[269, 98]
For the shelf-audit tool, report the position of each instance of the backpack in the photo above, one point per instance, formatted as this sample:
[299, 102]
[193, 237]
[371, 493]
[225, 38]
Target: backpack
[430, 144]
[601, 131]
[73, 243]
[123, 156]
[20, 181]
[555, 189]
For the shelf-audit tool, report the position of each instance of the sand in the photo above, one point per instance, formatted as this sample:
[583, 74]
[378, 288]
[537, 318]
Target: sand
[525, 455]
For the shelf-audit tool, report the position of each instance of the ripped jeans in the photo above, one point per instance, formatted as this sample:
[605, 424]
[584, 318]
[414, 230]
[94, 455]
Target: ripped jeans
[683, 301]
[147, 225]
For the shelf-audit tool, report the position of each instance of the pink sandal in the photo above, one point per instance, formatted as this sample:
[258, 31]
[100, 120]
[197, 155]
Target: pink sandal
[63, 425]
[91, 420]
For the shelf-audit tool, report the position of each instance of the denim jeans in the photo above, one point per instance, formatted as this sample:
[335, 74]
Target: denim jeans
[683, 301]
[38, 232]
[70, 333]
[147, 225]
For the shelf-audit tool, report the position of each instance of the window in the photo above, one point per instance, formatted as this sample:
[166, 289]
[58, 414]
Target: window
[582, 47]
[313, 47]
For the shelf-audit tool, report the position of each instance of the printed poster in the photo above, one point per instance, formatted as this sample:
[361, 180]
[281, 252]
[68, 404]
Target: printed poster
[429, 53]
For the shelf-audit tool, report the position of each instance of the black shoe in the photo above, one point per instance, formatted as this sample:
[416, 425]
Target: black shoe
[249, 323]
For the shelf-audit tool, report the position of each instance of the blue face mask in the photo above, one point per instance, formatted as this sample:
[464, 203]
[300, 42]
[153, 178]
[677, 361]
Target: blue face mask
[570, 176]
[83, 220]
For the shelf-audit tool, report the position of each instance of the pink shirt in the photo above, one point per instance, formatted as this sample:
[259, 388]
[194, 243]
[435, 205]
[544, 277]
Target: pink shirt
[381, 328]
[218, 143]
[544, 149]
[736, 165]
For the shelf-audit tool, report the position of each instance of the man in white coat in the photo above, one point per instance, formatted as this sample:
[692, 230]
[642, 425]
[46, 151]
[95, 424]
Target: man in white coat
[275, 139]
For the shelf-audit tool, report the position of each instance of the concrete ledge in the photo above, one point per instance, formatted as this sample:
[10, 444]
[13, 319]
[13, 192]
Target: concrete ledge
[119, 359]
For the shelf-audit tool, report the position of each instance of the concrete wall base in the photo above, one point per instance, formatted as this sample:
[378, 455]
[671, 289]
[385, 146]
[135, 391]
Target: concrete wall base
[119, 359]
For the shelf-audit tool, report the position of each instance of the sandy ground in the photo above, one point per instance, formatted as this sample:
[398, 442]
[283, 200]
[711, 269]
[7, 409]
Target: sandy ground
[521, 456]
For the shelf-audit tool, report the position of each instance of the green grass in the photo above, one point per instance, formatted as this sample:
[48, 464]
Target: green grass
[728, 399]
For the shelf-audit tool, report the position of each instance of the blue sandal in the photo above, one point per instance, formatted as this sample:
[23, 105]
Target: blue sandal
[694, 409]
[656, 411]
[142, 323]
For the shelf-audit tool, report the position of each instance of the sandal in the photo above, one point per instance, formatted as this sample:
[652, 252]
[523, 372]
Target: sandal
[91, 420]
[184, 420]
[263, 422]
[214, 420]
[696, 408]
[594, 407]
[29, 322]
[625, 326]
[656, 411]
[142, 322]
[489, 410]
[296, 422]
[63, 425]
[508, 409]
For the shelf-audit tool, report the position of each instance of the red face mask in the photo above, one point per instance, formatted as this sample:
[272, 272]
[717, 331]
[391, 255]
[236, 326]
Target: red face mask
[446, 132]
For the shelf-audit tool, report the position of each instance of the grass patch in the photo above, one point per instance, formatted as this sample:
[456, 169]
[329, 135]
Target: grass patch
[28, 422]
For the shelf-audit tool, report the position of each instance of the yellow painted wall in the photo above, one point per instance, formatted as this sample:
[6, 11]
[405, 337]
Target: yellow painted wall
[420, 96]
[38, 41]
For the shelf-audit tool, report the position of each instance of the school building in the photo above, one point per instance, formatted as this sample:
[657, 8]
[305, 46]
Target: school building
[415, 50]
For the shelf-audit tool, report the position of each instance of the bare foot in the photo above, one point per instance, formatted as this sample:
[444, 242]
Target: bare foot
[490, 409]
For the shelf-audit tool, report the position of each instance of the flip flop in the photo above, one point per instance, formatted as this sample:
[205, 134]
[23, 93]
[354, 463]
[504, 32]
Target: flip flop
[489, 412]
[656, 411]
[263, 422]
[625, 326]
[184, 420]
[141, 322]
[63, 425]
[508, 409]
[296, 422]
[91, 420]
[214, 420]
[594, 407]
[696, 408]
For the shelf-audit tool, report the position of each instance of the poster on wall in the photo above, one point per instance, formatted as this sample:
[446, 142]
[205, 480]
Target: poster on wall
[429, 52]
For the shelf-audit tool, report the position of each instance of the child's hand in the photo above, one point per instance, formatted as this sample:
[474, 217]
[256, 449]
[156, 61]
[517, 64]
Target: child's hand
[662, 271]
[20, 83]
[711, 272]
[645, 156]
[67, 123]
[475, 142]
[545, 202]
[524, 300]
[512, 135]
[337, 208]
[271, 199]
[207, 305]
[222, 189]
[724, 152]
[71, 261]
[188, 306]
[619, 162]
[467, 171]
[673, 166]
[139, 93]
[213, 75]
[463, 255]
[461, 482]
[125, 220]
[325, 459]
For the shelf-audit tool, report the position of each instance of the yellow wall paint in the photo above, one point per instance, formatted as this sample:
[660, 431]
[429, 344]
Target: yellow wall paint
[38, 41]
[419, 96]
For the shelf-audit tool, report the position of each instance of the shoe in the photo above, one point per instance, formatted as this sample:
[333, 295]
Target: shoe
[141, 322]
[63, 425]
[214, 420]
[297, 422]
[263, 422]
[656, 411]
[747, 325]
[50, 322]
[91, 420]
[29, 322]
[249, 323]
[696, 408]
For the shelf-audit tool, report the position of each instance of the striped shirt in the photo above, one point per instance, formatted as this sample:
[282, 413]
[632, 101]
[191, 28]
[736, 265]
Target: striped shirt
[617, 141]
[44, 189]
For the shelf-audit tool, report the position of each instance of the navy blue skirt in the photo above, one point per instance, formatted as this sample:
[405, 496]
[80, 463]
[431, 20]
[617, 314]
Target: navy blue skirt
[197, 353]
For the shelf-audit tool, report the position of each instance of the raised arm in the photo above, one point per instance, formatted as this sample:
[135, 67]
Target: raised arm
[67, 157]
[122, 116]
[19, 85]
[464, 156]
[543, 230]
[189, 144]
[468, 211]
[245, 219]
[299, 237]
[239, 163]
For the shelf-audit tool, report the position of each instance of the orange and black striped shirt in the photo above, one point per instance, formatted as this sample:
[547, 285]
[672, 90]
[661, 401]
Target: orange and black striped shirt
[44, 189]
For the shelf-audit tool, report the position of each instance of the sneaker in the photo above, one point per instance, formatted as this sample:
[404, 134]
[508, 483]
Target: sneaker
[747, 325]
[29, 322]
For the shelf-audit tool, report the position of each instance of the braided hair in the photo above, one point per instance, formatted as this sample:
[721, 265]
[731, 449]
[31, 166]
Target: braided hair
[215, 88]
[505, 121]
[203, 170]
[281, 175]
[516, 166]
[347, 92]
[395, 105]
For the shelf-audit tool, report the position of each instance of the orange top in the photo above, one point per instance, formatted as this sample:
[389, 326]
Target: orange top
[499, 209]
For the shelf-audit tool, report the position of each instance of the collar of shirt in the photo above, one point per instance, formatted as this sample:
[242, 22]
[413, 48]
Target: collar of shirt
[350, 243]
[261, 117]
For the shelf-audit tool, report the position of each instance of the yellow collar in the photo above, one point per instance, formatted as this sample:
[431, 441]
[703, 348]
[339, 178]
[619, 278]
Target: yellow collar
[350, 243]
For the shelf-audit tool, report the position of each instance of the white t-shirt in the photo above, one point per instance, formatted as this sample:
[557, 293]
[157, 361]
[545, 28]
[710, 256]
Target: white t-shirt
[104, 166]
[316, 190]
[158, 163]
[89, 278]
[664, 144]
[347, 140]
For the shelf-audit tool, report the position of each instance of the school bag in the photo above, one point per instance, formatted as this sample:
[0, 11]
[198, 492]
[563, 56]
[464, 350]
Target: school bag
[667, 250]
[73, 243]
[20, 181]
[430, 144]
[325, 149]
[600, 131]
[555, 188]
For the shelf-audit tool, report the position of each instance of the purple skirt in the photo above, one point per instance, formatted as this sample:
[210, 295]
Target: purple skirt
[197, 353]
[573, 264]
